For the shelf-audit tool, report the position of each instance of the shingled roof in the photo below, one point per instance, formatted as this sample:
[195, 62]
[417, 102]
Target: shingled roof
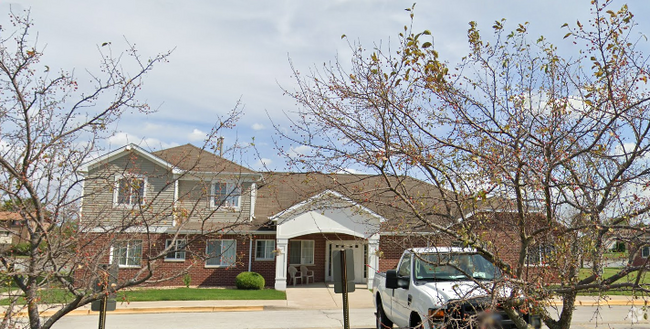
[282, 190]
[191, 158]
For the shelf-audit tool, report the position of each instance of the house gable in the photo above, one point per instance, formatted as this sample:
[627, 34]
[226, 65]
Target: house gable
[329, 212]
[123, 151]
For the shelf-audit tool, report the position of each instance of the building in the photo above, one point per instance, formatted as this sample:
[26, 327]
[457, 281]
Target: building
[223, 218]
[12, 229]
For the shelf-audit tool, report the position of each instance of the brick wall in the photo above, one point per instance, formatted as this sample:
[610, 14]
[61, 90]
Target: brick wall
[171, 272]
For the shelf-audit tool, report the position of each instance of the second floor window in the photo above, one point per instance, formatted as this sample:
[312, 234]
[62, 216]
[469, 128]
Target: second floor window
[225, 194]
[129, 190]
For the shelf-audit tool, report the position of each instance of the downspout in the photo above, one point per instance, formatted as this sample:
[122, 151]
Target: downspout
[253, 200]
[250, 253]
[175, 202]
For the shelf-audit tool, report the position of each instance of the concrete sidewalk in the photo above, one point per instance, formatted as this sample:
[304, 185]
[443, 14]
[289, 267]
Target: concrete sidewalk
[317, 296]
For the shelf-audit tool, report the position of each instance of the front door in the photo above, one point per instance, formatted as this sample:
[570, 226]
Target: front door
[360, 255]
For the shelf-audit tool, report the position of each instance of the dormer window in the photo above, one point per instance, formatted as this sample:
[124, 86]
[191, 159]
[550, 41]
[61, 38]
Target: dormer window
[129, 190]
[225, 195]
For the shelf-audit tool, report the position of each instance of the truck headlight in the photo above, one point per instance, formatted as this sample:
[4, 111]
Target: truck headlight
[436, 314]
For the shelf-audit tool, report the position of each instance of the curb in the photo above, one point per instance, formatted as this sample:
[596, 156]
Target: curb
[211, 309]
[636, 302]
[154, 310]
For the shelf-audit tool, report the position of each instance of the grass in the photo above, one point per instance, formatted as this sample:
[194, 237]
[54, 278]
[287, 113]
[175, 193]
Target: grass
[49, 296]
[57, 296]
[615, 255]
[150, 295]
[608, 272]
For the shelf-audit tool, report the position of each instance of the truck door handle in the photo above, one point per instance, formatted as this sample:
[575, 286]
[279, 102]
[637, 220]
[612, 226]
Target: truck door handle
[409, 299]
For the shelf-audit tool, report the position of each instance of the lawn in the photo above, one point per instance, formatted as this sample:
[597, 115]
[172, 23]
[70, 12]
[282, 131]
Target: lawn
[609, 271]
[148, 295]
[56, 296]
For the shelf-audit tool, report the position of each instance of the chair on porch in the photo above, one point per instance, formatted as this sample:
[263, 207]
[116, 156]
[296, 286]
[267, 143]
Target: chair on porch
[295, 275]
[306, 274]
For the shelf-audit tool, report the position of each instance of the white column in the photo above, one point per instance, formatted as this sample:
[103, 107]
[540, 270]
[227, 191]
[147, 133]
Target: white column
[373, 259]
[281, 264]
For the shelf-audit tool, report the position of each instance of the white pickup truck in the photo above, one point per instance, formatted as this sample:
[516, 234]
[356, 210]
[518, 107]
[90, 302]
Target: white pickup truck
[440, 287]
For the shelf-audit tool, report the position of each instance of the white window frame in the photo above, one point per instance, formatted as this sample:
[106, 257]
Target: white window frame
[267, 253]
[177, 252]
[542, 252]
[116, 191]
[645, 251]
[227, 258]
[303, 252]
[233, 196]
[131, 246]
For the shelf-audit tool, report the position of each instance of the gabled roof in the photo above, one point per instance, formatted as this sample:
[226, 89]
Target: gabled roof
[126, 149]
[191, 158]
[281, 191]
[178, 159]
[311, 203]
[10, 216]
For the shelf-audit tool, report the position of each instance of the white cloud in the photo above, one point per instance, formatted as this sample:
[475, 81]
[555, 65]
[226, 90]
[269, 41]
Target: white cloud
[262, 164]
[258, 126]
[197, 135]
[349, 171]
[296, 152]
[120, 139]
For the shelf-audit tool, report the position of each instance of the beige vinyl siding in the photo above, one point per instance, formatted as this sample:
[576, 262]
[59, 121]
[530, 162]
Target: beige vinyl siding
[194, 197]
[157, 207]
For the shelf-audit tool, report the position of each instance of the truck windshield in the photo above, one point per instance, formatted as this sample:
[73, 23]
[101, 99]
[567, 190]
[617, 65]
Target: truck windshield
[454, 267]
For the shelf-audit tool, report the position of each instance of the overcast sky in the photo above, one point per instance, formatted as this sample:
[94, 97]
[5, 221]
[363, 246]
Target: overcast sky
[230, 50]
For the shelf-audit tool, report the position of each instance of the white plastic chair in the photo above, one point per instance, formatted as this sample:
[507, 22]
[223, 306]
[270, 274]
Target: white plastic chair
[294, 275]
[306, 274]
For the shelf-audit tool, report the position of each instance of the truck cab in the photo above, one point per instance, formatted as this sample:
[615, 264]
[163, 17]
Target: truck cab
[436, 287]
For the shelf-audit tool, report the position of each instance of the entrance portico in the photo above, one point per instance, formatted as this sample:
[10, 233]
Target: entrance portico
[327, 213]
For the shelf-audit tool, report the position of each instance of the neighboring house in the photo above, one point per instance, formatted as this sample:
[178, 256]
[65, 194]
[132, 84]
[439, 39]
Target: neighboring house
[257, 221]
[12, 230]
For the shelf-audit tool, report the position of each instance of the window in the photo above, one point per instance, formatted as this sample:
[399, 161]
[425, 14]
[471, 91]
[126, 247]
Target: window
[538, 255]
[128, 253]
[264, 249]
[221, 253]
[225, 194]
[645, 252]
[404, 269]
[301, 252]
[177, 251]
[129, 191]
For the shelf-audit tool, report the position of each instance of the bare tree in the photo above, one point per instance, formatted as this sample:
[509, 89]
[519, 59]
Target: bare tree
[558, 140]
[51, 125]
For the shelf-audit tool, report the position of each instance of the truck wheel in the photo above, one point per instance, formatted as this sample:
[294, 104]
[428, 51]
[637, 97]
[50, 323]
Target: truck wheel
[416, 323]
[382, 321]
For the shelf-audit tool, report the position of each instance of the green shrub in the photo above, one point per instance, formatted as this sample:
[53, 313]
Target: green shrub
[187, 280]
[249, 281]
[21, 249]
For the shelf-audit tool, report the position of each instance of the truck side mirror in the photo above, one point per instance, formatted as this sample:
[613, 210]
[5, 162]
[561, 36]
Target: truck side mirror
[393, 281]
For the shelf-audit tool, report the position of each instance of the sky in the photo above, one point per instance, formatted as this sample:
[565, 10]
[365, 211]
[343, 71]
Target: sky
[230, 51]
